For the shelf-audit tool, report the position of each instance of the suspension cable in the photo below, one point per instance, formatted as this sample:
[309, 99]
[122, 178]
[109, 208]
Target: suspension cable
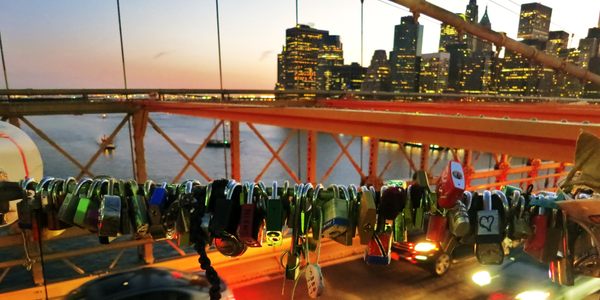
[225, 151]
[296, 12]
[121, 39]
[133, 166]
[219, 48]
[3, 63]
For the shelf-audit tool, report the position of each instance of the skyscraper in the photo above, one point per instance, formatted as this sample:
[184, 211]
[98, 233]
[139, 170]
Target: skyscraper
[449, 35]
[433, 77]
[458, 54]
[590, 51]
[557, 40]
[472, 15]
[305, 50]
[378, 73]
[404, 58]
[347, 77]
[534, 21]
[330, 56]
[483, 45]
[520, 76]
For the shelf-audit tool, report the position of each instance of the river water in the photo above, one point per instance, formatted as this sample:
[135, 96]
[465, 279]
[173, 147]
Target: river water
[79, 135]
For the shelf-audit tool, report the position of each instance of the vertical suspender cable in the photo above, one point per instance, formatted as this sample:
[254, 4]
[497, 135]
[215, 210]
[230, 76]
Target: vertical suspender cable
[3, 63]
[221, 83]
[296, 12]
[131, 148]
[362, 2]
[121, 39]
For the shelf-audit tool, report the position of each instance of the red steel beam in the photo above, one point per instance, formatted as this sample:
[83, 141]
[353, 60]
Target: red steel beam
[544, 139]
[542, 111]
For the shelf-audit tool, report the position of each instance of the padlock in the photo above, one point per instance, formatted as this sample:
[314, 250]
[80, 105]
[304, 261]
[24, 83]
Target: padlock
[85, 214]
[393, 199]
[451, 185]
[458, 217]
[138, 209]
[51, 210]
[109, 218]
[249, 230]
[292, 267]
[422, 179]
[352, 197]
[418, 196]
[408, 211]
[335, 213]
[437, 228]
[561, 269]
[294, 200]
[172, 212]
[509, 191]
[126, 221]
[380, 247]
[274, 218]
[367, 215]
[553, 237]
[187, 203]
[314, 280]
[223, 208]
[25, 209]
[520, 226]
[206, 215]
[488, 242]
[400, 231]
[156, 207]
[67, 210]
[225, 220]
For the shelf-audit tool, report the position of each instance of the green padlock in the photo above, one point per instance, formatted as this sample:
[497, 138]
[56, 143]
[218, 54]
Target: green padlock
[138, 209]
[83, 205]
[420, 211]
[335, 213]
[352, 197]
[67, 210]
[407, 211]
[400, 232]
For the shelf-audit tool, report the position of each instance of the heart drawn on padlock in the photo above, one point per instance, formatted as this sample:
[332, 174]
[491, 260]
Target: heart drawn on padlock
[486, 222]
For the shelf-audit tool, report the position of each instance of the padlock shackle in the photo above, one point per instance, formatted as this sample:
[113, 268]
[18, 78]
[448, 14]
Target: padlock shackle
[353, 193]
[468, 198]
[345, 192]
[207, 196]
[83, 182]
[43, 183]
[334, 188]
[515, 198]
[487, 200]
[274, 195]
[230, 188]
[148, 184]
[522, 206]
[502, 197]
[53, 188]
[28, 181]
[69, 182]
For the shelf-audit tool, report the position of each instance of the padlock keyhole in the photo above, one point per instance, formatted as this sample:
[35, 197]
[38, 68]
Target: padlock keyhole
[458, 175]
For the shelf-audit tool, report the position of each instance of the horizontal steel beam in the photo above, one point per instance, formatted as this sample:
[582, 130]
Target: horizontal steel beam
[525, 138]
[16, 108]
[581, 112]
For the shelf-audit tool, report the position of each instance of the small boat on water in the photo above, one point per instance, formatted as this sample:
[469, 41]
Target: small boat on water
[108, 144]
[218, 143]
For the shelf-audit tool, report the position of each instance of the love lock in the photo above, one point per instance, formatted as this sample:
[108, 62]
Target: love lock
[139, 210]
[67, 210]
[367, 215]
[488, 242]
[251, 219]
[274, 218]
[459, 216]
[156, 207]
[335, 213]
[451, 185]
[352, 196]
[109, 218]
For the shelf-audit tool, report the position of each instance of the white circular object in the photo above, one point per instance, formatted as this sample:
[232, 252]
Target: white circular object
[19, 156]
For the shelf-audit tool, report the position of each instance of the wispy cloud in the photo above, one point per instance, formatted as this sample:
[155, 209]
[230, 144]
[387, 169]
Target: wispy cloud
[265, 54]
[160, 54]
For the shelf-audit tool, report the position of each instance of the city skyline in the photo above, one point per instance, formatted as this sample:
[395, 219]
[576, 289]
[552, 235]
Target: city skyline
[72, 44]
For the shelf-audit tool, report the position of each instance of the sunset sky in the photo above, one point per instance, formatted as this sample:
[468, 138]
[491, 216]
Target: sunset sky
[173, 44]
